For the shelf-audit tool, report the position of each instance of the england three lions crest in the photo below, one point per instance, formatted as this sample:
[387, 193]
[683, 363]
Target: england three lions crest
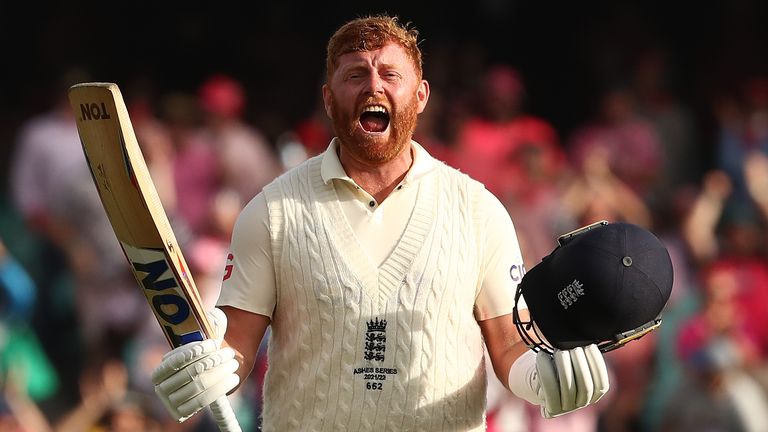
[375, 340]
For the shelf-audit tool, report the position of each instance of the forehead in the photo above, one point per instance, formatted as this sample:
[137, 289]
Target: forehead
[391, 54]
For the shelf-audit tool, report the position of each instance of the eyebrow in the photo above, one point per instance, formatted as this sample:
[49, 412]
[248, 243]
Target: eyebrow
[364, 66]
[354, 66]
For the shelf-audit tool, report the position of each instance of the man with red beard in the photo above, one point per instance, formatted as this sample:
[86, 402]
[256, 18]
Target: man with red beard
[380, 271]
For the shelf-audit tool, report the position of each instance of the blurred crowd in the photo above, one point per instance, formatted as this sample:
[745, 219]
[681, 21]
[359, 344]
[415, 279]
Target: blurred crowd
[78, 342]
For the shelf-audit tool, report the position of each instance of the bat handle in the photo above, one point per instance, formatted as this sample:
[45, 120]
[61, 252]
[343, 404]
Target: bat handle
[224, 415]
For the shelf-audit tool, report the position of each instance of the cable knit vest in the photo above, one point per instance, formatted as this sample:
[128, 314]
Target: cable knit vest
[360, 348]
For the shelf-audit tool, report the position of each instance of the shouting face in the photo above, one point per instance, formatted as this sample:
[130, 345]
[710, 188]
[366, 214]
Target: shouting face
[373, 99]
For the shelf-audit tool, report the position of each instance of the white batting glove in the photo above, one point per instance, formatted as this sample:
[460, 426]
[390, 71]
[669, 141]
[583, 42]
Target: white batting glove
[562, 382]
[192, 376]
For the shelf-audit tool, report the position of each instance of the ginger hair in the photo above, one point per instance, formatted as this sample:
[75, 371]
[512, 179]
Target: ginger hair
[371, 33]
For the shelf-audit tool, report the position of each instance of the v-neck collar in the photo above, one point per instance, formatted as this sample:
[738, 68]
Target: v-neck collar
[379, 282]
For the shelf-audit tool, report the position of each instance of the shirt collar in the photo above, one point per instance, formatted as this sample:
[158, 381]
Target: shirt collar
[330, 167]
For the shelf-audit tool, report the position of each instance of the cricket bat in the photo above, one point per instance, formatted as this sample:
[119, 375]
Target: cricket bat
[140, 222]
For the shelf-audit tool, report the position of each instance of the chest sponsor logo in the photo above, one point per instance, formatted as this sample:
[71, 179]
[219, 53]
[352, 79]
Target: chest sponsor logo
[517, 271]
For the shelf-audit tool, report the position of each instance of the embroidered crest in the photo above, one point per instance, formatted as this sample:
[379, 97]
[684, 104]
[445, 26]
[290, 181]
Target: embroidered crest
[570, 294]
[375, 340]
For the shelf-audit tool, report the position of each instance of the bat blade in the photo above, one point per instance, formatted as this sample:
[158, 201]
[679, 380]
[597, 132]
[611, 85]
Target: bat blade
[135, 212]
[139, 221]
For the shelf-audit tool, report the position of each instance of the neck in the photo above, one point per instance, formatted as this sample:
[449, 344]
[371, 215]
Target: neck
[379, 180]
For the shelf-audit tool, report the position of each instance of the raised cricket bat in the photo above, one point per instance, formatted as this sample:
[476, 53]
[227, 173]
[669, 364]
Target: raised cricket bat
[139, 220]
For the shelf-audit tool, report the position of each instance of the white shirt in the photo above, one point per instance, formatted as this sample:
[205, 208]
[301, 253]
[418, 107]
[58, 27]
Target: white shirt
[249, 281]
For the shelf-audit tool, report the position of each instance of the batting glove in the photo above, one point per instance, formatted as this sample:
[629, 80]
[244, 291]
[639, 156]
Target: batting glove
[560, 383]
[192, 376]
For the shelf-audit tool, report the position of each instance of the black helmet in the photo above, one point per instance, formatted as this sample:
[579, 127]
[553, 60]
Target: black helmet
[605, 283]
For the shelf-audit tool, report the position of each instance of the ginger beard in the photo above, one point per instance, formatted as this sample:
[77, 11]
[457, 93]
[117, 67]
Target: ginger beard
[371, 147]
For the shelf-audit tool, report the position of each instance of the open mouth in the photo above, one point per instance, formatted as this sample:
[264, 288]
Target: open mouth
[374, 119]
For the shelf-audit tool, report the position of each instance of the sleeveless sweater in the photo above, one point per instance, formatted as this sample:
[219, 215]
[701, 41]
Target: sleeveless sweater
[359, 348]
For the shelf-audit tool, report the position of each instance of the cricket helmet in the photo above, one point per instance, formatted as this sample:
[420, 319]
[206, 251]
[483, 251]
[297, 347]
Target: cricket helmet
[605, 284]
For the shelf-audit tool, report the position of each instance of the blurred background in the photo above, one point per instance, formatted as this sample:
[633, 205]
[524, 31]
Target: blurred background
[650, 112]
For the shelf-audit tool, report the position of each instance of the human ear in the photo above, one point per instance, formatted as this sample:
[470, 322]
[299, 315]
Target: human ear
[422, 96]
[327, 98]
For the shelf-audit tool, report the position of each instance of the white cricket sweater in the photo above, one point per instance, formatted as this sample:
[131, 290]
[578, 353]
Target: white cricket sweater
[359, 348]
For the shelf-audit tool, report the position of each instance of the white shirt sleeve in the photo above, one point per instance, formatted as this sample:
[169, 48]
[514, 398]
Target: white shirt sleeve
[249, 276]
[502, 263]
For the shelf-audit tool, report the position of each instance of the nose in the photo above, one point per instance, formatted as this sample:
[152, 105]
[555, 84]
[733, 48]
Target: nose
[375, 84]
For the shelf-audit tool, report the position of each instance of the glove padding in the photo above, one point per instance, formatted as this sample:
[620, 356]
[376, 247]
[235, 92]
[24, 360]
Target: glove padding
[192, 376]
[560, 383]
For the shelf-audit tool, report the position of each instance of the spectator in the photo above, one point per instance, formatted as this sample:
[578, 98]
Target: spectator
[247, 160]
[597, 193]
[490, 142]
[314, 131]
[630, 143]
[195, 172]
[536, 208]
[19, 414]
[720, 346]
[157, 147]
[653, 90]
[244, 161]
[54, 191]
[28, 375]
[428, 132]
[742, 129]
[109, 404]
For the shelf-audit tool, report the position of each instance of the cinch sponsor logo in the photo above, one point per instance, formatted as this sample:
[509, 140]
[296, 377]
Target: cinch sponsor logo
[93, 111]
[516, 272]
[161, 287]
